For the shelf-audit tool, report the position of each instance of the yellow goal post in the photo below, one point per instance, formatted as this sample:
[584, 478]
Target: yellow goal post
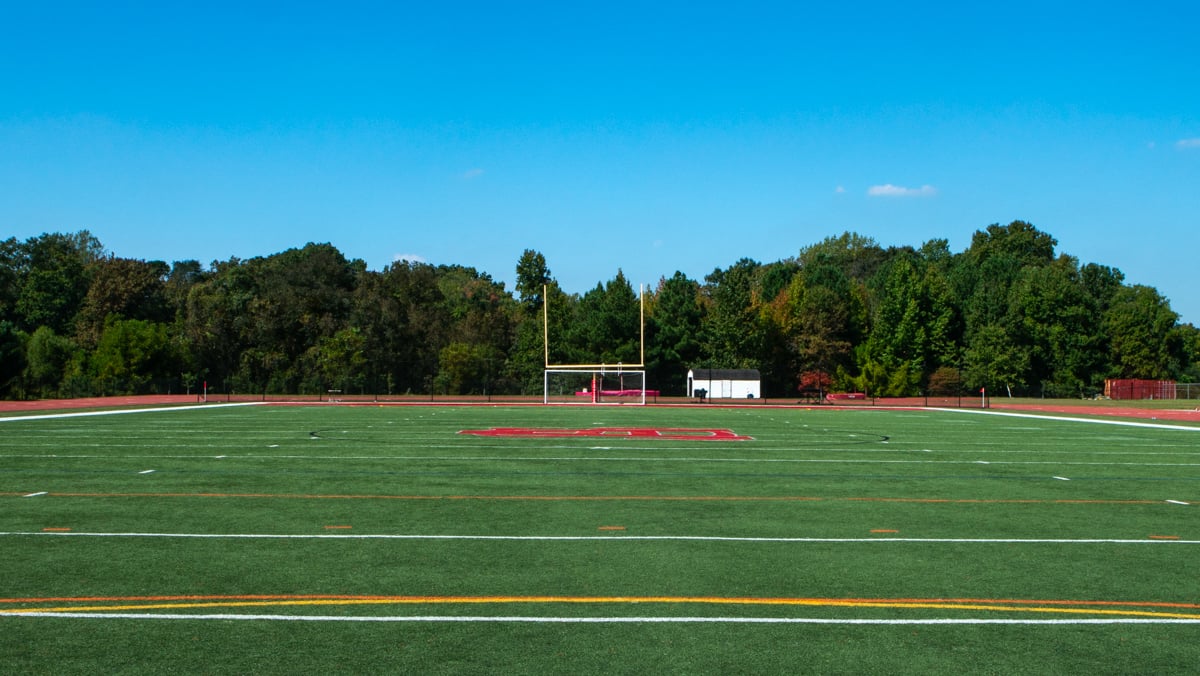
[594, 383]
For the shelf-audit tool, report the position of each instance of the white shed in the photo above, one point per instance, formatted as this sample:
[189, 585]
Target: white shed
[725, 383]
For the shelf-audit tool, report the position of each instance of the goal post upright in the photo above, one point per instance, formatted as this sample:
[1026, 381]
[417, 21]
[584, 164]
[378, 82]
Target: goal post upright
[641, 326]
[546, 325]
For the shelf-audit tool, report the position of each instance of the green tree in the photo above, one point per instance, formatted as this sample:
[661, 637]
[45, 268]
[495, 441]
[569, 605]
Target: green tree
[822, 316]
[12, 358]
[483, 316]
[998, 341]
[1189, 336]
[607, 325]
[532, 277]
[479, 309]
[1101, 283]
[130, 354]
[1144, 339]
[674, 322]
[55, 273]
[338, 361]
[253, 322]
[733, 333]
[561, 312]
[777, 361]
[400, 314]
[125, 288]
[12, 263]
[300, 297]
[913, 329]
[47, 356]
[994, 360]
[984, 274]
[184, 275]
[527, 358]
[1059, 320]
[1019, 242]
[856, 256]
[464, 368]
[218, 321]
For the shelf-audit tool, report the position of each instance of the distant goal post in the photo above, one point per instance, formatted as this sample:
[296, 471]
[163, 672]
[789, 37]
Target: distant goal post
[594, 383]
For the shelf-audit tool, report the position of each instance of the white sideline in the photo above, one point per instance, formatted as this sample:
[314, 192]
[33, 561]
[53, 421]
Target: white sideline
[1098, 421]
[122, 411]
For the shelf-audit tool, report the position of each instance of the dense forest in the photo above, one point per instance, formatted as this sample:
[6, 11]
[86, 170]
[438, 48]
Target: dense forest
[1008, 313]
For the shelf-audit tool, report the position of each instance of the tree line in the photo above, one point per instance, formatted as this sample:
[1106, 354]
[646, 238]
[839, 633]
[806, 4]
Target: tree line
[1008, 314]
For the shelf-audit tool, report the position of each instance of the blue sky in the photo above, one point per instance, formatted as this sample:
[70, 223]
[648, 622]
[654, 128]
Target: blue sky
[679, 136]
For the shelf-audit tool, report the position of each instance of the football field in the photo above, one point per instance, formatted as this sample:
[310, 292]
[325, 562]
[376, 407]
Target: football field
[594, 539]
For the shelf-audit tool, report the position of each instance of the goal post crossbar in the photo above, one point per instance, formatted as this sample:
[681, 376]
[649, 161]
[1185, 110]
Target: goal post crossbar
[598, 368]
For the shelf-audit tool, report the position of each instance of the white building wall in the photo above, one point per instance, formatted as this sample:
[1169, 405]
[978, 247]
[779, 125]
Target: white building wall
[725, 388]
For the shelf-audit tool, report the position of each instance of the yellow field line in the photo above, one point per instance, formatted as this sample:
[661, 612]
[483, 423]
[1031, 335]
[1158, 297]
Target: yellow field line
[444, 600]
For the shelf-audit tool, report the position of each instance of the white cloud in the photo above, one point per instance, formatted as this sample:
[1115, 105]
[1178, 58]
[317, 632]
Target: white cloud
[1188, 144]
[839, 190]
[889, 190]
[472, 173]
[408, 258]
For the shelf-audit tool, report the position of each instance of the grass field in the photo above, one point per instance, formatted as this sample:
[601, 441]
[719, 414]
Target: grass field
[257, 539]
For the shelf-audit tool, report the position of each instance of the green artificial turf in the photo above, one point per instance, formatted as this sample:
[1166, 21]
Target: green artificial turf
[1032, 518]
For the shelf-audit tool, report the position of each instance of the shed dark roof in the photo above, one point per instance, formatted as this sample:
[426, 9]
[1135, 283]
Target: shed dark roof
[726, 374]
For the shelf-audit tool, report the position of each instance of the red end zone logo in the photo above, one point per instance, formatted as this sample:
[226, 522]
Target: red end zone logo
[678, 433]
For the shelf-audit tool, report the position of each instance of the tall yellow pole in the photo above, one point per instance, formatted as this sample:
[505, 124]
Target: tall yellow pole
[642, 322]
